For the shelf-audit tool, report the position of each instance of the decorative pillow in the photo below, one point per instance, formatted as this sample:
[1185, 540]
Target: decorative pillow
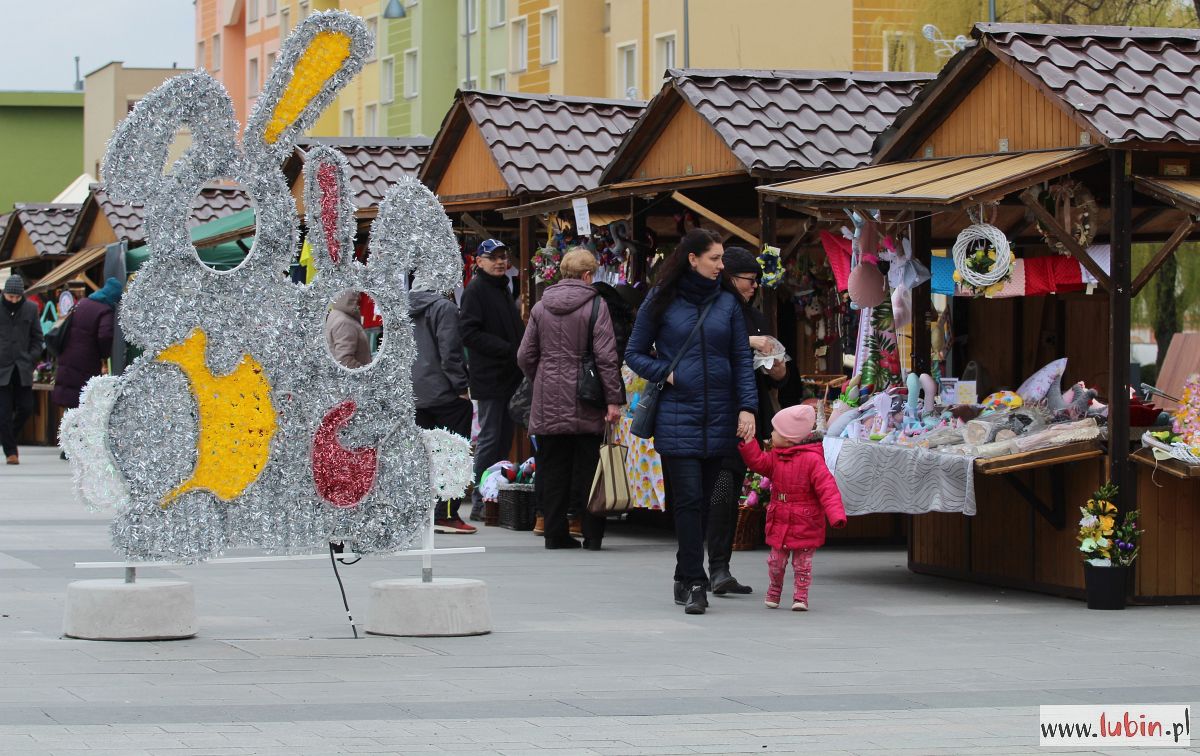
[1035, 388]
[1003, 400]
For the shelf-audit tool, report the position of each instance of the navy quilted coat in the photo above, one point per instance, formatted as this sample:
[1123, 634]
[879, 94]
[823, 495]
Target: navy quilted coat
[697, 415]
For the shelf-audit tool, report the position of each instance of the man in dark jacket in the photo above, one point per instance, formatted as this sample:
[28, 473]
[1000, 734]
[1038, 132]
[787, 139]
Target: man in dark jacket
[491, 331]
[88, 344]
[440, 383]
[20, 347]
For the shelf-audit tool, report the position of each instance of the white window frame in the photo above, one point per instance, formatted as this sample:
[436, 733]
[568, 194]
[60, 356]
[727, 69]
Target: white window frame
[470, 16]
[550, 56]
[201, 60]
[272, 7]
[387, 79]
[660, 41]
[253, 77]
[305, 8]
[498, 16]
[412, 83]
[620, 57]
[888, 36]
[347, 112]
[285, 21]
[251, 11]
[372, 23]
[518, 53]
[215, 51]
[370, 119]
[502, 86]
[271, 58]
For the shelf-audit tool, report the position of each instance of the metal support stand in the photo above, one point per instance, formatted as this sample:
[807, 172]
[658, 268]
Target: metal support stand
[131, 574]
[427, 559]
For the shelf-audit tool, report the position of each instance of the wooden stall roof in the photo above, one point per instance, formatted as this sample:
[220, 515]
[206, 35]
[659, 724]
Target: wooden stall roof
[376, 163]
[934, 183]
[103, 220]
[716, 126]
[495, 145]
[37, 232]
[1183, 193]
[74, 266]
[1122, 86]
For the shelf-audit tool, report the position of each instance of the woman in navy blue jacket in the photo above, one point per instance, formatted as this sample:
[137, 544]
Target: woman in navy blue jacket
[706, 404]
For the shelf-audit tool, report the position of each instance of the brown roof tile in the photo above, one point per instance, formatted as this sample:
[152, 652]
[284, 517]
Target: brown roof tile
[47, 225]
[1129, 83]
[213, 202]
[375, 163]
[776, 121]
[545, 143]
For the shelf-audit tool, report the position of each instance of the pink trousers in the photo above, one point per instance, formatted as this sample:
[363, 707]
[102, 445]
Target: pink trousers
[801, 572]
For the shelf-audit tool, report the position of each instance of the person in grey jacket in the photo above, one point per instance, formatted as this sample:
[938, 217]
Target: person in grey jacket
[440, 383]
[344, 332]
[20, 348]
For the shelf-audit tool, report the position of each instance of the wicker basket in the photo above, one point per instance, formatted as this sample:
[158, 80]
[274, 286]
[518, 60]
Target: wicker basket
[491, 513]
[751, 531]
[517, 506]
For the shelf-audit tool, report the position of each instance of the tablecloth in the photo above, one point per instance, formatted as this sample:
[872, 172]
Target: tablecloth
[876, 478]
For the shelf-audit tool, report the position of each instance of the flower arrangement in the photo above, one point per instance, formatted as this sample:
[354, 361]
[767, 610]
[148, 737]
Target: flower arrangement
[546, 262]
[982, 261]
[1104, 541]
[772, 267]
[756, 491]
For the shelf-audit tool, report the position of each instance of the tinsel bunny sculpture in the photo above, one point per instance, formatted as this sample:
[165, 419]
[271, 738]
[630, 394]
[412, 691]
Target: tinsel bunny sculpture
[236, 427]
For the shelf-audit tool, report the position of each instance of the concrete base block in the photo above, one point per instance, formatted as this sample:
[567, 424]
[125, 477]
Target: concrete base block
[447, 606]
[143, 610]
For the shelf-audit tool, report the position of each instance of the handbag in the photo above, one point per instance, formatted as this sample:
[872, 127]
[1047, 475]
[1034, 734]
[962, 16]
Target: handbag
[521, 404]
[56, 337]
[589, 389]
[610, 485]
[646, 412]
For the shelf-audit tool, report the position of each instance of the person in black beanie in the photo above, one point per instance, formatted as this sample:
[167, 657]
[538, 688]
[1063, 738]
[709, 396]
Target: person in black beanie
[20, 348]
[743, 271]
[491, 331]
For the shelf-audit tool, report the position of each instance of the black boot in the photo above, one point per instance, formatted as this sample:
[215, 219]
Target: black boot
[591, 544]
[697, 600]
[723, 582]
[681, 593]
[561, 542]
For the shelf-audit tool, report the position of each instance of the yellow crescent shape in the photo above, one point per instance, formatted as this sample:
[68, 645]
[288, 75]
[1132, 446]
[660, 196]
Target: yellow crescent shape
[322, 59]
[237, 421]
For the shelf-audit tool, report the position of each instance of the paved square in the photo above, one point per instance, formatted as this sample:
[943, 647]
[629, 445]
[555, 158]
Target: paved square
[589, 656]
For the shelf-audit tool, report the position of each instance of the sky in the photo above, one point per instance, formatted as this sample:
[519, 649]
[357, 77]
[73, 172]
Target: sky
[42, 38]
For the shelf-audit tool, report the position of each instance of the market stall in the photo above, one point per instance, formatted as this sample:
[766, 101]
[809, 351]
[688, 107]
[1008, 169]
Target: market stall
[695, 158]
[1015, 186]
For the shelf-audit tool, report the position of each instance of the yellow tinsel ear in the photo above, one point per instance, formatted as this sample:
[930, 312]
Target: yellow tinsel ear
[322, 59]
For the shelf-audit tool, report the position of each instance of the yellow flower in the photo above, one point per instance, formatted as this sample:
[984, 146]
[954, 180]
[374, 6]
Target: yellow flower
[991, 255]
[957, 277]
[1106, 524]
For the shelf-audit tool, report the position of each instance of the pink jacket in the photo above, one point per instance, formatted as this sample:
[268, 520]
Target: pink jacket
[803, 494]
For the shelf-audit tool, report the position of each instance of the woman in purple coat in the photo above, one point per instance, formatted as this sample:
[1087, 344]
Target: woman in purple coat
[568, 431]
[89, 343]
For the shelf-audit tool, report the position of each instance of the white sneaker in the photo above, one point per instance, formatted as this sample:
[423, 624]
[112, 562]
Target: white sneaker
[799, 606]
[771, 604]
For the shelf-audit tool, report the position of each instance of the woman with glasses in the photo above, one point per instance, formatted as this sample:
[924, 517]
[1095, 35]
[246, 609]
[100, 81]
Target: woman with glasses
[744, 273]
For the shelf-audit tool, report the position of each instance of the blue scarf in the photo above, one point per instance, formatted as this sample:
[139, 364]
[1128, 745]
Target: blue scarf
[697, 289]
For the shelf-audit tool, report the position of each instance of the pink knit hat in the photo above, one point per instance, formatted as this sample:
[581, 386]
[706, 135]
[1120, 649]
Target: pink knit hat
[795, 423]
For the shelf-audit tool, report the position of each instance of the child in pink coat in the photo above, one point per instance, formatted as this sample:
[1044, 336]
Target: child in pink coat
[803, 495]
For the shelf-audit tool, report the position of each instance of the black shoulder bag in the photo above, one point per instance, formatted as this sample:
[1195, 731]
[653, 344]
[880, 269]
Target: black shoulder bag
[646, 412]
[588, 386]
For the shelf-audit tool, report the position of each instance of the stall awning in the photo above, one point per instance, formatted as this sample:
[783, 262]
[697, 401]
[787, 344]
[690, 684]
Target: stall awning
[228, 229]
[933, 183]
[75, 265]
[623, 189]
[1183, 193]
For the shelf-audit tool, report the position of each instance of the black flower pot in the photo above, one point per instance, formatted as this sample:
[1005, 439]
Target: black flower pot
[1106, 586]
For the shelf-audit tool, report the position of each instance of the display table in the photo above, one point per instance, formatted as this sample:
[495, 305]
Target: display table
[42, 427]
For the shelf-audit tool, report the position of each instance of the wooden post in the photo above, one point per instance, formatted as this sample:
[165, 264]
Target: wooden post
[922, 297]
[1119, 295]
[528, 296]
[769, 220]
[639, 261]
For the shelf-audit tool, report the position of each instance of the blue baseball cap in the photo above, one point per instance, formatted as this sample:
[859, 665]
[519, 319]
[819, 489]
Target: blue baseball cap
[488, 247]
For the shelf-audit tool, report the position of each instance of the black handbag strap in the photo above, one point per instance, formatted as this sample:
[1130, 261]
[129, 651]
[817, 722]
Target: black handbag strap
[592, 322]
[688, 343]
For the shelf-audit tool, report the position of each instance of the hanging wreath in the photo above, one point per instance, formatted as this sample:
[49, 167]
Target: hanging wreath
[546, 263]
[772, 267]
[1074, 206]
[982, 258]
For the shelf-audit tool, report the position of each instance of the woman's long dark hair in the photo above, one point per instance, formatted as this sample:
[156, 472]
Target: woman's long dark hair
[666, 282]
